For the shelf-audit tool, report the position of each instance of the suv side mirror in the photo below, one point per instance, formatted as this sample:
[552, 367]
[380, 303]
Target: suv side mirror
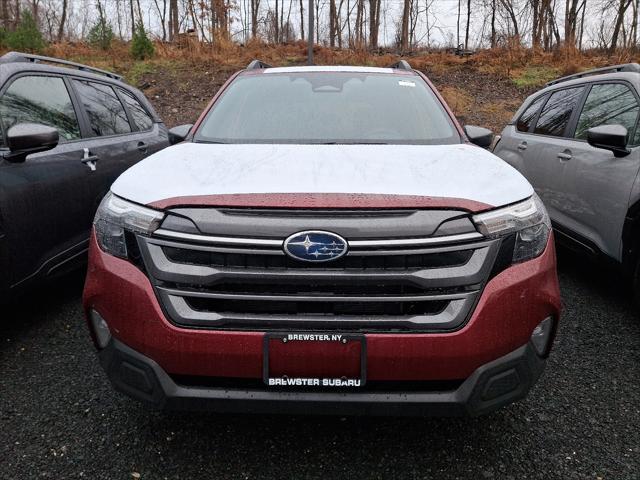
[609, 137]
[482, 137]
[179, 133]
[24, 139]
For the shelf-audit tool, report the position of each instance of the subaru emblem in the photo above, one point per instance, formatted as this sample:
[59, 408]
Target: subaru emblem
[315, 246]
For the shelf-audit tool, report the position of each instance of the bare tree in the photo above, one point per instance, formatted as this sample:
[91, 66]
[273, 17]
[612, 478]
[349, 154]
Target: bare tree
[571, 18]
[174, 25]
[621, 10]
[458, 24]
[404, 34]
[301, 20]
[63, 20]
[277, 24]
[466, 33]
[374, 22]
[255, 7]
[511, 13]
[4, 13]
[493, 23]
[133, 18]
[333, 24]
[162, 16]
[359, 35]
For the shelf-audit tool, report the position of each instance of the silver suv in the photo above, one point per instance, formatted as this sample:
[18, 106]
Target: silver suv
[576, 142]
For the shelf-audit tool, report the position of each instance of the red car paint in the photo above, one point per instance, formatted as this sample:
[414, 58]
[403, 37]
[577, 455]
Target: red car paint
[323, 200]
[510, 307]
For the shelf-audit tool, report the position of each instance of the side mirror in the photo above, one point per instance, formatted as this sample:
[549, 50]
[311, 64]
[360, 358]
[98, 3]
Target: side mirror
[24, 139]
[179, 133]
[482, 137]
[609, 137]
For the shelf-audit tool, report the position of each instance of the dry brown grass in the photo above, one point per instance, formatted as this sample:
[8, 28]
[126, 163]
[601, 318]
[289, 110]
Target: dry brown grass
[459, 101]
[528, 68]
[500, 111]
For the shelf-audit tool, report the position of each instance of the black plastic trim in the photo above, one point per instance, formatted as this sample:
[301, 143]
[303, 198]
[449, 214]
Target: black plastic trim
[159, 391]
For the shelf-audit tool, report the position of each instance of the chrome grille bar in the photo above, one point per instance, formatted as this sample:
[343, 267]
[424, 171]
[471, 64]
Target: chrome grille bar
[261, 242]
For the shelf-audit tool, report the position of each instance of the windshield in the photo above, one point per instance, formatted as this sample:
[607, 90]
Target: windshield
[336, 107]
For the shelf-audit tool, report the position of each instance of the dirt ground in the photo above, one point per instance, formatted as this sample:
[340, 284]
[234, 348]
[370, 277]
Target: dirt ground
[180, 93]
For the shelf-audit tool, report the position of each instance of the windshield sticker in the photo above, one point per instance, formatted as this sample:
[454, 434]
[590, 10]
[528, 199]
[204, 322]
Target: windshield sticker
[404, 83]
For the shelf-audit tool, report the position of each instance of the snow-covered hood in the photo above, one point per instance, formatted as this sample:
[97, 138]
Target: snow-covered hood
[462, 172]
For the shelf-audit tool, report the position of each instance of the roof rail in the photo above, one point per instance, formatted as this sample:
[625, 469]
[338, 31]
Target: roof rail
[257, 65]
[401, 65]
[14, 57]
[627, 67]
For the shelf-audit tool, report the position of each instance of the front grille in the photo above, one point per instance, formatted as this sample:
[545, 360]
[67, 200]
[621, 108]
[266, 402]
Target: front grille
[332, 308]
[266, 261]
[317, 288]
[397, 284]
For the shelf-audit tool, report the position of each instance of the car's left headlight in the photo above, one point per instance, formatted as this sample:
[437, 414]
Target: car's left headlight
[116, 216]
[528, 220]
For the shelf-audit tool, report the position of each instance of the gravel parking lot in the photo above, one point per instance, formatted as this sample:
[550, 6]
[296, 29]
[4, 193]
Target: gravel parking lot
[59, 417]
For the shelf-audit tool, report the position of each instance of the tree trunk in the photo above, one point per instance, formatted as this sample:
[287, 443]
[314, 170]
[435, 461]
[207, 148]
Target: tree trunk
[581, 27]
[133, 19]
[359, 14]
[255, 6]
[281, 20]
[622, 9]
[317, 17]
[570, 22]
[332, 23]
[466, 33]
[174, 21]
[458, 25]
[301, 20]
[63, 20]
[404, 34]
[508, 6]
[493, 23]
[374, 22]
[162, 15]
[4, 13]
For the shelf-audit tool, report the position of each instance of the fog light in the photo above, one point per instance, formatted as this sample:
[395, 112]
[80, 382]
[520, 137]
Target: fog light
[541, 335]
[100, 328]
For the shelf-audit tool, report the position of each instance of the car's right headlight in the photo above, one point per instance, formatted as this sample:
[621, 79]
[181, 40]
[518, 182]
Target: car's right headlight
[528, 220]
[116, 216]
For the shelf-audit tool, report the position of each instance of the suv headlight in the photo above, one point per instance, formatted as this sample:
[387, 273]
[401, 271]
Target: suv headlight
[116, 216]
[528, 220]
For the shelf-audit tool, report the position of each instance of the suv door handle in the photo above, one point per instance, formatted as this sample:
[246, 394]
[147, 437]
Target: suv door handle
[522, 146]
[565, 156]
[89, 159]
[142, 147]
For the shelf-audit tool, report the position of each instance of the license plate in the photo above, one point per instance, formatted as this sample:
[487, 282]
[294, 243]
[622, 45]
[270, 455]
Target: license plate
[324, 360]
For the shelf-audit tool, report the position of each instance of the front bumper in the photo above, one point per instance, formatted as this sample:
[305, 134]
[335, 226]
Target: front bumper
[489, 353]
[490, 387]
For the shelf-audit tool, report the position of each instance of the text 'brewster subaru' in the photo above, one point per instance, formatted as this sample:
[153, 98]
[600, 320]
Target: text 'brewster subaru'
[324, 239]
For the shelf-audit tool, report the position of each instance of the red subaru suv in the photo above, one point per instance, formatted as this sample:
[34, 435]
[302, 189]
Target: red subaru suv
[324, 240]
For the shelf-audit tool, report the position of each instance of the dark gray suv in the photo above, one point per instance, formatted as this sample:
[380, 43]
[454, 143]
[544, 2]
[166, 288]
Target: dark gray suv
[576, 142]
[67, 132]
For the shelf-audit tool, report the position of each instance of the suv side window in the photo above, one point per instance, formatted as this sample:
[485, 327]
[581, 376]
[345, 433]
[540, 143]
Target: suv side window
[141, 118]
[107, 115]
[528, 116]
[40, 99]
[607, 104]
[556, 113]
